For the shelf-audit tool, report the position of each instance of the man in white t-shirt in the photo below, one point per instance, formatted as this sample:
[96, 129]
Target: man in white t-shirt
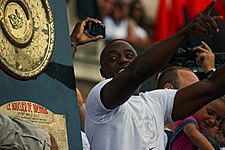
[118, 117]
[136, 124]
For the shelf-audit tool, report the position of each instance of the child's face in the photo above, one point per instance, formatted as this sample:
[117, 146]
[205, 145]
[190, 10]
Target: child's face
[211, 115]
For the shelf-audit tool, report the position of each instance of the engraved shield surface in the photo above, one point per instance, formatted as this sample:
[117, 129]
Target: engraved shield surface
[26, 37]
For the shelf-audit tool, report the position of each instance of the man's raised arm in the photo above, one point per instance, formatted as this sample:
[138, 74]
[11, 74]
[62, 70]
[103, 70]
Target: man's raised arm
[153, 59]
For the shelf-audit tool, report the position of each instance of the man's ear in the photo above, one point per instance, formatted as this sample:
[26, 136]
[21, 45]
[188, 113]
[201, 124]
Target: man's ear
[168, 86]
[102, 73]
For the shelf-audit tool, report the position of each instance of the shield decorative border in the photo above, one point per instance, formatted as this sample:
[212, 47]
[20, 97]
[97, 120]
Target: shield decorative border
[26, 37]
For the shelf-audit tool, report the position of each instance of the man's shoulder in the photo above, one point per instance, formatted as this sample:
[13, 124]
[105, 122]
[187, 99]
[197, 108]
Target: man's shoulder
[94, 95]
[160, 92]
[99, 85]
[161, 97]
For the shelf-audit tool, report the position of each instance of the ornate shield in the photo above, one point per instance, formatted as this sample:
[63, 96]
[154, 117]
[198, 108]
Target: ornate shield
[26, 37]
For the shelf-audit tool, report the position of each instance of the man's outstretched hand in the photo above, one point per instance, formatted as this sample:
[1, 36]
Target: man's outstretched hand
[204, 24]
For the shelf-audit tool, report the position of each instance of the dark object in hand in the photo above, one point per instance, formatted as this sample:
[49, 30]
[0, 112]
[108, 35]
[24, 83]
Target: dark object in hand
[186, 53]
[96, 29]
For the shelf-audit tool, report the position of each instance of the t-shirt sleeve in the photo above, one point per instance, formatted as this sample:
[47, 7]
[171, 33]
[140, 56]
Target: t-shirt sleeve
[94, 107]
[164, 99]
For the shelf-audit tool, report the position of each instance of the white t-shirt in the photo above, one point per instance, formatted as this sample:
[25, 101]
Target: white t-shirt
[138, 124]
[85, 142]
[139, 31]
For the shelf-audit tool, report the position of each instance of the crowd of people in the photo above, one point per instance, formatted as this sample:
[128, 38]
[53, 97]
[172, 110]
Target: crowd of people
[118, 116]
[125, 20]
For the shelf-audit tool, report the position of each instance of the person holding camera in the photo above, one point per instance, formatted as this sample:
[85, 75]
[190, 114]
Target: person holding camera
[119, 117]
[79, 37]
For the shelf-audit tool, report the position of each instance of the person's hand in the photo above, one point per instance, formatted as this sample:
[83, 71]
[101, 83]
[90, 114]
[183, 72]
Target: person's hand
[205, 57]
[203, 23]
[79, 36]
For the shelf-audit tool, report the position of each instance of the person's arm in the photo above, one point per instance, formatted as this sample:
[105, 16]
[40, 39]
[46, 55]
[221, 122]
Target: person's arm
[141, 42]
[54, 145]
[197, 95]
[197, 138]
[81, 107]
[131, 36]
[153, 59]
[80, 37]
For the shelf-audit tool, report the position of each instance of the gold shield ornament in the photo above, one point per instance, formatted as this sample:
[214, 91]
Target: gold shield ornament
[26, 37]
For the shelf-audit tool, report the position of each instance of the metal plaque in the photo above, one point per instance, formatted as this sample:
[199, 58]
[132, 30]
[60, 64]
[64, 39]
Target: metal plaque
[40, 116]
[26, 37]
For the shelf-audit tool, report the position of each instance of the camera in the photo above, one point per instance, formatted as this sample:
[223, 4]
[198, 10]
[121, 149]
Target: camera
[189, 53]
[96, 29]
[186, 58]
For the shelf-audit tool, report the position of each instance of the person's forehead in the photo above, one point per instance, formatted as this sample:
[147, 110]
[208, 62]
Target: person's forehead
[119, 45]
[218, 106]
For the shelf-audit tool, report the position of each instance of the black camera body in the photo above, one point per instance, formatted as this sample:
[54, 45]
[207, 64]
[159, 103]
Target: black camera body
[185, 58]
[96, 29]
[189, 53]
